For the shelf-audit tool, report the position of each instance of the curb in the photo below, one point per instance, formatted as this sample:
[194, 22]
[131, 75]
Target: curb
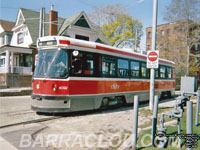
[15, 93]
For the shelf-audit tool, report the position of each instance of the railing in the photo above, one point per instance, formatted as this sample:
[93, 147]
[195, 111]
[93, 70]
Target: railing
[3, 70]
[17, 69]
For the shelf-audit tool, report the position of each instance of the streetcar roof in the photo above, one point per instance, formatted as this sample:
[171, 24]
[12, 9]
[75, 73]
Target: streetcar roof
[62, 41]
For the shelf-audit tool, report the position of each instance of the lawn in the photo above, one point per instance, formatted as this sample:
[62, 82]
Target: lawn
[144, 141]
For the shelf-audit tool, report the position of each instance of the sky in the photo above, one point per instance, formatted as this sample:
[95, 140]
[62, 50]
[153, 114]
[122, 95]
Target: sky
[138, 9]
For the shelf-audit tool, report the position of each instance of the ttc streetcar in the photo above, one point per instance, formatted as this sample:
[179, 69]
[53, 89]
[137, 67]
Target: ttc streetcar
[76, 75]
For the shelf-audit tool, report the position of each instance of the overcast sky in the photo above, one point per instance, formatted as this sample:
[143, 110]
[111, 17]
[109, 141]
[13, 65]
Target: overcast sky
[140, 9]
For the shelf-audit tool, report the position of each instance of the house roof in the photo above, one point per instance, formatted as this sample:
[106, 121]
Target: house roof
[32, 21]
[7, 25]
[73, 19]
[101, 34]
[68, 21]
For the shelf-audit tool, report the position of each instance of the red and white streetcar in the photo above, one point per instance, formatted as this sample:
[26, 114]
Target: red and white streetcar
[75, 75]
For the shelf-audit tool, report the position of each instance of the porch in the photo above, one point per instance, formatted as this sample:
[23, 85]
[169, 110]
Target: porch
[15, 60]
[15, 66]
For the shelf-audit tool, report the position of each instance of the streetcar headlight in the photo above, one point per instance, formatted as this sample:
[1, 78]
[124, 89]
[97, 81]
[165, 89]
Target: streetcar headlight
[55, 87]
[37, 86]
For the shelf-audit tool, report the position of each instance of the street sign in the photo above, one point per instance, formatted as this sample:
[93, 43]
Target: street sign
[152, 59]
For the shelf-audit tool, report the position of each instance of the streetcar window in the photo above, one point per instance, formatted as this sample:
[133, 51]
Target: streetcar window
[77, 64]
[52, 63]
[89, 65]
[143, 70]
[108, 66]
[162, 72]
[156, 74]
[123, 68]
[135, 69]
[82, 64]
[169, 72]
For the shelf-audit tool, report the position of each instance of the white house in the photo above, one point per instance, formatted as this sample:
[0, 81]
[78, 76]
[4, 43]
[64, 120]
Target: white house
[18, 45]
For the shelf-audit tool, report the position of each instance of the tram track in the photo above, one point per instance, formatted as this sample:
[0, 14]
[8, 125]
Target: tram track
[74, 114]
[31, 121]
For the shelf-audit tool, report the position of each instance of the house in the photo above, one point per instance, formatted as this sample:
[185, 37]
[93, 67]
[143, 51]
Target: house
[172, 44]
[17, 56]
[5, 37]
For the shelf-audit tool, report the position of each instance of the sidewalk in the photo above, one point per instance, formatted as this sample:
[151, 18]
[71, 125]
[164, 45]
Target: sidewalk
[6, 145]
[16, 91]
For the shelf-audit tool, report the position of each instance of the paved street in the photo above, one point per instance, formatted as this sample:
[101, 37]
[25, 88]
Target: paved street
[98, 129]
[16, 109]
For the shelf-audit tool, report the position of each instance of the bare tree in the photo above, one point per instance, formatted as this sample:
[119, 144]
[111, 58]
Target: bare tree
[106, 14]
[186, 14]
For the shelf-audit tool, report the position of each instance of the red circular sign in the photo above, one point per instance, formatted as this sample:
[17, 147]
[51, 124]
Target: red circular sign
[152, 56]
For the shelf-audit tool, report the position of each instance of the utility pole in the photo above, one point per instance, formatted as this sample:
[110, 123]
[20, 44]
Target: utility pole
[43, 19]
[136, 37]
[41, 24]
[152, 77]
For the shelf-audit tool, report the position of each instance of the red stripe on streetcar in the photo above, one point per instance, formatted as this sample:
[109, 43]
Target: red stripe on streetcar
[64, 42]
[86, 87]
[119, 52]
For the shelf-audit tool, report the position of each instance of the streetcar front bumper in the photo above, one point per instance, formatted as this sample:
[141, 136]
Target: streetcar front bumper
[50, 103]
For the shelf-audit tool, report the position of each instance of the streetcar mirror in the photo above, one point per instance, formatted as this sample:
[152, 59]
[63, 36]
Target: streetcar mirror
[75, 53]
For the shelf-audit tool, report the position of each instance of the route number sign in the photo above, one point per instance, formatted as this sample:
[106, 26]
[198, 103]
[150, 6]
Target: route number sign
[152, 59]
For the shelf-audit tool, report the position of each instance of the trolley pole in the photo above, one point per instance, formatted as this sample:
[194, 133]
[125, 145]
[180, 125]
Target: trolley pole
[135, 121]
[152, 77]
[41, 23]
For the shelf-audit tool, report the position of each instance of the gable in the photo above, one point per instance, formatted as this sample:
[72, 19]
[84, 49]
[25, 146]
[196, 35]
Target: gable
[82, 22]
[20, 19]
[33, 24]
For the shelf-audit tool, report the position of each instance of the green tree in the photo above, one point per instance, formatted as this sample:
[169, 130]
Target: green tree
[124, 32]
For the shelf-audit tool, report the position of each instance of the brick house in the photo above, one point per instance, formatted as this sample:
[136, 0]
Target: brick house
[172, 45]
[17, 56]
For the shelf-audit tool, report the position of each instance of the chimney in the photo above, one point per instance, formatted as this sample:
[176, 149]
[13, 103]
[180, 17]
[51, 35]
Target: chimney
[53, 19]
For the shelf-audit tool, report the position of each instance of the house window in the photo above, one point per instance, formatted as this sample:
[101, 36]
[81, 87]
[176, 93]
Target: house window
[2, 62]
[168, 31]
[162, 32]
[182, 29]
[20, 38]
[148, 47]
[149, 35]
[182, 43]
[1, 41]
[196, 47]
[175, 29]
[196, 60]
[86, 38]
[161, 46]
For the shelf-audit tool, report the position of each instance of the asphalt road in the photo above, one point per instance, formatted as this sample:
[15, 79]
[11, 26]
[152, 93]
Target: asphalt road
[14, 110]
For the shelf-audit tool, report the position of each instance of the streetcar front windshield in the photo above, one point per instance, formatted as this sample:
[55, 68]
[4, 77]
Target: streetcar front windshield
[51, 63]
